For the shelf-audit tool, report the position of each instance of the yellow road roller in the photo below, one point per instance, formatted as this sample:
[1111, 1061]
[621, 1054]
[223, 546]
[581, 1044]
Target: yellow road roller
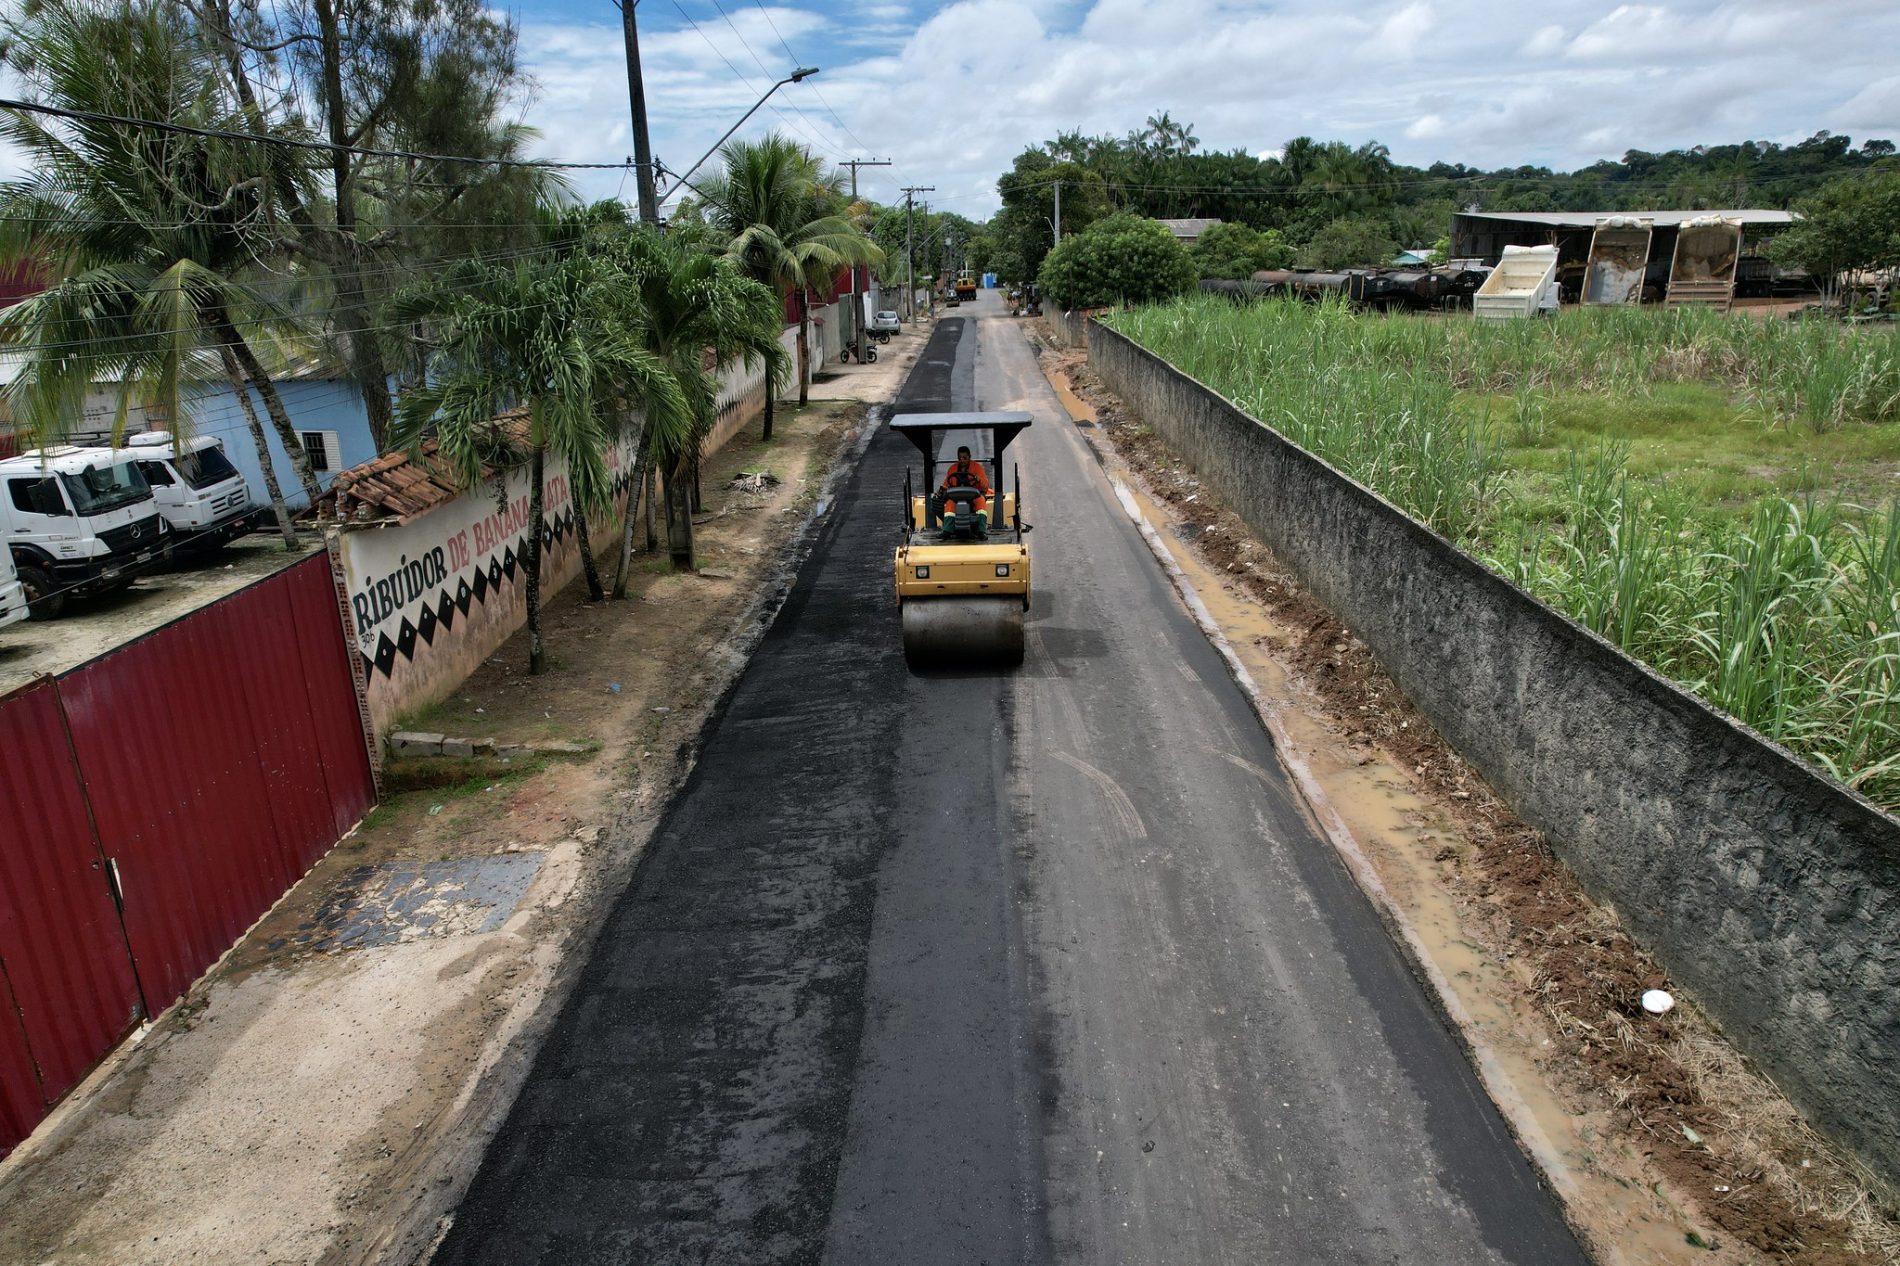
[962, 564]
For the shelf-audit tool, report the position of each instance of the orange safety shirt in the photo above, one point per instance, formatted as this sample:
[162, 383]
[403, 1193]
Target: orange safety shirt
[968, 475]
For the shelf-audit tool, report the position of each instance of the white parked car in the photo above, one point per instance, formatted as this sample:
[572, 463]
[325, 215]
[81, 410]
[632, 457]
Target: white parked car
[201, 494]
[78, 521]
[886, 322]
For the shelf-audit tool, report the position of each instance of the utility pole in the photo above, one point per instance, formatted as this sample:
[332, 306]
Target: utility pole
[855, 163]
[854, 311]
[910, 248]
[636, 95]
[1058, 213]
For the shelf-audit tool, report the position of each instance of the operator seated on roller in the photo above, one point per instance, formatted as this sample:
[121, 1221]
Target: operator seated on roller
[964, 473]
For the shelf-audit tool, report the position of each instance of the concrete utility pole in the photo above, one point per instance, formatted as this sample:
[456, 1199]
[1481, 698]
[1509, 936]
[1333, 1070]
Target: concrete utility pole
[1058, 213]
[854, 314]
[636, 95]
[910, 248]
[855, 163]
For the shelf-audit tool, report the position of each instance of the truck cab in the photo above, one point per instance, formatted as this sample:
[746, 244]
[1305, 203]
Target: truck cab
[12, 592]
[201, 495]
[78, 521]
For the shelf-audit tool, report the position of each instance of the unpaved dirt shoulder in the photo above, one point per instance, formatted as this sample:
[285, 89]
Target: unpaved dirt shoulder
[305, 1104]
[1666, 1146]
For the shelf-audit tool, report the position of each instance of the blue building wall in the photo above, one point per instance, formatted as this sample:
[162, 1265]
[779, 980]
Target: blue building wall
[314, 404]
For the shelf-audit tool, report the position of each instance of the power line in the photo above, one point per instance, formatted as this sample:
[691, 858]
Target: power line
[743, 42]
[746, 80]
[758, 61]
[816, 90]
[186, 129]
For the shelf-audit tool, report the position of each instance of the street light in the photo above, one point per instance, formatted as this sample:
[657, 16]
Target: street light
[803, 72]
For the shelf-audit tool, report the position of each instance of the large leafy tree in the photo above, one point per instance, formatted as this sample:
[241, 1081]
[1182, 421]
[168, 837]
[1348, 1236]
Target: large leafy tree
[550, 336]
[1121, 259]
[1850, 224]
[155, 243]
[787, 224]
[428, 76]
[1350, 243]
[1235, 252]
[1023, 231]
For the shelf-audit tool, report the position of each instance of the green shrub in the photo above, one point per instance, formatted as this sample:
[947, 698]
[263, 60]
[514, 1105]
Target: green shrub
[1122, 259]
[1235, 252]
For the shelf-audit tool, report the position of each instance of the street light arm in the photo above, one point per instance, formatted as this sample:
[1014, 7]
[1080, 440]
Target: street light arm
[803, 72]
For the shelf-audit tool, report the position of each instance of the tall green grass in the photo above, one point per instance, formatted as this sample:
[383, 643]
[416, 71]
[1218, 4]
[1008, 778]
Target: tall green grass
[1784, 611]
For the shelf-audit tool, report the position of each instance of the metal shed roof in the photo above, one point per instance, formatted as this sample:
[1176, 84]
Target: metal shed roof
[1588, 219]
[1189, 229]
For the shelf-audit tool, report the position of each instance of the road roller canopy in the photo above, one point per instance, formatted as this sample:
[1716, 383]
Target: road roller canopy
[939, 435]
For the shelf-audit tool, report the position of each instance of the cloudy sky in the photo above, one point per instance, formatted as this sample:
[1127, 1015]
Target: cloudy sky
[951, 91]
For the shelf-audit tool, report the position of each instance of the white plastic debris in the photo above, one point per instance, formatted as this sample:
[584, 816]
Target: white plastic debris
[1658, 1002]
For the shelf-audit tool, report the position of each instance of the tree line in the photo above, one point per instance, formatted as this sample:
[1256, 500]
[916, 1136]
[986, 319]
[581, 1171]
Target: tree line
[1327, 204]
[471, 303]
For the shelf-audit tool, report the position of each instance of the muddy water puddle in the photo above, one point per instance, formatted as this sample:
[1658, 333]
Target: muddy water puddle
[1399, 846]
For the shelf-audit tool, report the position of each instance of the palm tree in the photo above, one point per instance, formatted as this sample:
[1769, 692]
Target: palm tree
[696, 314]
[786, 224]
[154, 243]
[1298, 157]
[545, 336]
[1169, 136]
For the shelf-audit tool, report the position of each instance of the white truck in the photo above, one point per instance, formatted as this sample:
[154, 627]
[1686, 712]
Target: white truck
[204, 499]
[78, 521]
[12, 592]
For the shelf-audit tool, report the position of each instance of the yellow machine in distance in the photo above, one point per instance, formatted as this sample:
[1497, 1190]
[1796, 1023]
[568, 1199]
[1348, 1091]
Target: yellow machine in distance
[962, 566]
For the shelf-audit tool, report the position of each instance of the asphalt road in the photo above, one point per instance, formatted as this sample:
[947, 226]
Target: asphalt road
[1042, 966]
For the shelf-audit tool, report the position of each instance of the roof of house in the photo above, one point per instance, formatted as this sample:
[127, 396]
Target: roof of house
[296, 368]
[1588, 219]
[402, 488]
[1189, 228]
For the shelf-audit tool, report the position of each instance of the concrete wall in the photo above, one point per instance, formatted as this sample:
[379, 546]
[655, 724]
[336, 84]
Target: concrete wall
[1071, 329]
[1768, 891]
[742, 397]
[432, 598]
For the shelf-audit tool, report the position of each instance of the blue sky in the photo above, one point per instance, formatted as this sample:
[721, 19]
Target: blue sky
[953, 89]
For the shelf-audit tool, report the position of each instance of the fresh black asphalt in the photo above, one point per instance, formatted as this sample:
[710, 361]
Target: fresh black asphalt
[1030, 967]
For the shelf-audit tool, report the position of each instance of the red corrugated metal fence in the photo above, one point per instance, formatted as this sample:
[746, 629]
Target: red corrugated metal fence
[207, 765]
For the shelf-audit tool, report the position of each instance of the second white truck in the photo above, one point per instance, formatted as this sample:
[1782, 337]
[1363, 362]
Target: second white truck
[201, 494]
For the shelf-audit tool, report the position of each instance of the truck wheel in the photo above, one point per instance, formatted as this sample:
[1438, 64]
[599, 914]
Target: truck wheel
[44, 598]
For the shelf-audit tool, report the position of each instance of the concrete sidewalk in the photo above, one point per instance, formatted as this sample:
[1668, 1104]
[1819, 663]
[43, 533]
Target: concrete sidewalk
[880, 380]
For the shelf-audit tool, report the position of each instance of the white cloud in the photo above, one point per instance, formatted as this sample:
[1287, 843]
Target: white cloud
[954, 89]
[1874, 108]
[1402, 32]
[1544, 41]
[1630, 30]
